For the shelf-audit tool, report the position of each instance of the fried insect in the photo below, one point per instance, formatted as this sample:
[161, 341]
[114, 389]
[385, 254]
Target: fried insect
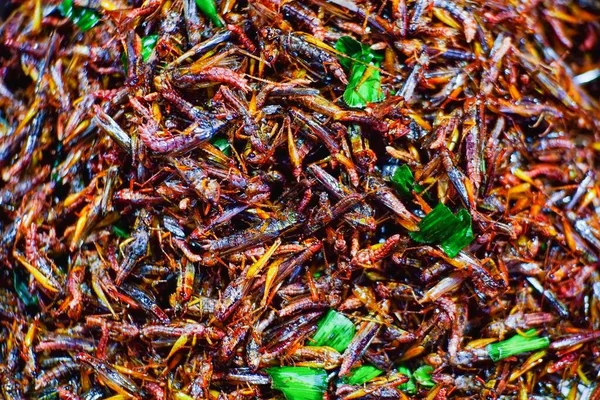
[192, 191]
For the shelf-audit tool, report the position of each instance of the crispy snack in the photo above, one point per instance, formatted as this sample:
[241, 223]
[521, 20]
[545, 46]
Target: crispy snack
[302, 198]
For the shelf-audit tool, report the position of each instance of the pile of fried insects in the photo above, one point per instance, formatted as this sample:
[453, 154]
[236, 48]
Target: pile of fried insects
[300, 199]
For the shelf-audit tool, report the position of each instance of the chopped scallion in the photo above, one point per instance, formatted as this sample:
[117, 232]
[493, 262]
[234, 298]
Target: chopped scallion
[517, 344]
[299, 383]
[441, 227]
[334, 330]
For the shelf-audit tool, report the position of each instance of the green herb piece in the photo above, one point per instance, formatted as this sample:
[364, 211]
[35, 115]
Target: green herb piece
[120, 232]
[334, 330]
[84, 18]
[222, 144]
[516, 345]
[409, 387]
[404, 181]
[362, 375]
[66, 8]
[299, 383]
[54, 177]
[440, 226]
[48, 394]
[351, 48]
[23, 292]
[148, 45]
[209, 8]
[423, 376]
[364, 85]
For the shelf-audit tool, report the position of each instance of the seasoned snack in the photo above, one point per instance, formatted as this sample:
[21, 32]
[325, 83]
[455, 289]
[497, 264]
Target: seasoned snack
[309, 199]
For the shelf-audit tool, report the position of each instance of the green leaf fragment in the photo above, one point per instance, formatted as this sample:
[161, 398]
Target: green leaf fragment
[120, 232]
[364, 85]
[441, 227]
[23, 292]
[85, 18]
[409, 387]
[404, 181]
[66, 8]
[334, 330]
[517, 344]
[48, 394]
[362, 375]
[299, 383]
[350, 47]
[209, 8]
[148, 45]
[423, 376]
[222, 144]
